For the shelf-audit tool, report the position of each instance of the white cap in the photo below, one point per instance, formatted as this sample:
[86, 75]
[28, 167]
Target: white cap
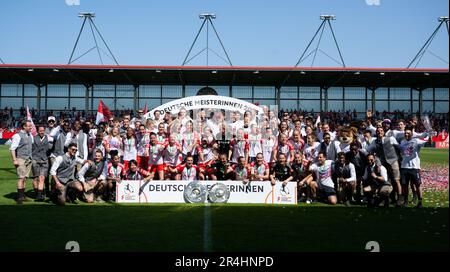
[51, 118]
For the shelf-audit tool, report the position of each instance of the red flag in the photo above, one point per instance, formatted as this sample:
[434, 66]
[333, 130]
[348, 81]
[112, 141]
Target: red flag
[103, 113]
[33, 127]
[145, 108]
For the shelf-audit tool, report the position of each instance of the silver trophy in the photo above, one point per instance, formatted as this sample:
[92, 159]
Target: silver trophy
[195, 193]
[219, 193]
[427, 124]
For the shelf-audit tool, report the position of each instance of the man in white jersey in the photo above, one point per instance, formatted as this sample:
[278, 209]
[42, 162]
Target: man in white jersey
[324, 182]
[410, 166]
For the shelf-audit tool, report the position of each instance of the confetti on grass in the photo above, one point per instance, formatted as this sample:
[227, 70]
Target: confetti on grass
[434, 178]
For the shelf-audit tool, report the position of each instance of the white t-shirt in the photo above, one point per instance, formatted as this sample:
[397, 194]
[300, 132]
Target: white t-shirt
[255, 144]
[172, 156]
[129, 149]
[267, 148]
[156, 154]
[410, 153]
[324, 173]
[311, 151]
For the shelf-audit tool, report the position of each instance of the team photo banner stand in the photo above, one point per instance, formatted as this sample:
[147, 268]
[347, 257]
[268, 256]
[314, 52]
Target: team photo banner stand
[172, 191]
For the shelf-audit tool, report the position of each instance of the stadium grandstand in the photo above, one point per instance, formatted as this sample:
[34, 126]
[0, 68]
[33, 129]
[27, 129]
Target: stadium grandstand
[76, 89]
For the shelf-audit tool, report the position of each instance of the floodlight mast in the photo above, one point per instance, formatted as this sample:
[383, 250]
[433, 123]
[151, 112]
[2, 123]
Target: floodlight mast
[442, 20]
[207, 19]
[87, 16]
[326, 18]
[207, 16]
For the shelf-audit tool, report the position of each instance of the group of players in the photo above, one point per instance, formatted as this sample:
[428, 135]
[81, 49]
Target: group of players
[83, 161]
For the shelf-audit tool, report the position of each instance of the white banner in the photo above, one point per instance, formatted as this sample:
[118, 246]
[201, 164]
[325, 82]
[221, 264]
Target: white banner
[171, 191]
[205, 102]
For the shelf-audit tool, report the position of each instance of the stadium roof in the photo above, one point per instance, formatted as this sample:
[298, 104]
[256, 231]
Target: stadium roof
[224, 75]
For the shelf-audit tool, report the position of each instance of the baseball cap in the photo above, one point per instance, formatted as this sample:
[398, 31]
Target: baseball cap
[51, 118]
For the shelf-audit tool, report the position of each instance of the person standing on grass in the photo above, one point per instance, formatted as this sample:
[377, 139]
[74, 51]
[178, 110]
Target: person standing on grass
[80, 138]
[115, 173]
[21, 154]
[410, 166]
[345, 175]
[39, 164]
[385, 149]
[129, 147]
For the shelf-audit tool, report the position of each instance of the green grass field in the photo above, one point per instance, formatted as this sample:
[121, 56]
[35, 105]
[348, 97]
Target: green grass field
[232, 227]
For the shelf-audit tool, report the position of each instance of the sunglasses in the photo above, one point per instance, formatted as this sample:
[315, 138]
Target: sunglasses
[74, 149]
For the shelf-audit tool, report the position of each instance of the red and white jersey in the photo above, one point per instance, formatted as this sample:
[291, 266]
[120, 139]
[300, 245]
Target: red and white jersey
[129, 149]
[143, 143]
[255, 143]
[162, 139]
[188, 174]
[188, 140]
[114, 143]
[172, 154]
[298, 147]
[312, 151]
[285, 149]
[267, 148]
[208, 153]
[116, 171]
[239, 148]
[260, 169]
[242, 173]
[156, 153]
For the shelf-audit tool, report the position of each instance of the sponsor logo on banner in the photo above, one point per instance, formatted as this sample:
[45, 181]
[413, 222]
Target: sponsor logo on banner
[127, 191]
[441, 144]
[285, 194]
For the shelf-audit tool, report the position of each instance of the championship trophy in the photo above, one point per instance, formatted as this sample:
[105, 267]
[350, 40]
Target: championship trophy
[219, 193]
[195, 193]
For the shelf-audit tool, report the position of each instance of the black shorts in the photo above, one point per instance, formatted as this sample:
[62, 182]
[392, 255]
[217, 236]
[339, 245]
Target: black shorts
[326, 191]
[410, 175]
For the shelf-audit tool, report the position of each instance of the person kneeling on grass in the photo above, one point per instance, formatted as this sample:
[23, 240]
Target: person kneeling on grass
[345, 174]
[376, 186]
[324, 183]
[92, 178]
[62, 173]
[300, 171]
[281, 171]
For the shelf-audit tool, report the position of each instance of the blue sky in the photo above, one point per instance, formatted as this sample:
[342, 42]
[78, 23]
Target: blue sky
[254, 32]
